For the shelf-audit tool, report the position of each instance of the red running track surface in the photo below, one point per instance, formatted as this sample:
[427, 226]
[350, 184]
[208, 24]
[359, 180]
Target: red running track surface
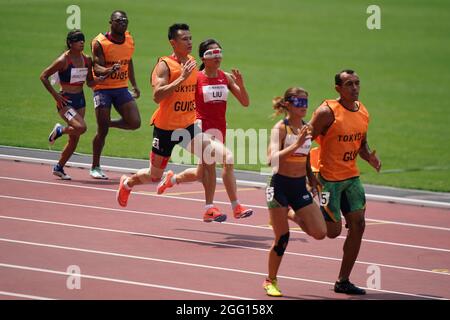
[71, 240]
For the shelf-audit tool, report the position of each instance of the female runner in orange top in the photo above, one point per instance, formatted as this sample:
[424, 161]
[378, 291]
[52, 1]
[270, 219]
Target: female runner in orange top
[289, 148]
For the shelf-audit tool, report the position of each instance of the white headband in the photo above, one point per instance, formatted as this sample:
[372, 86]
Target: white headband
[213, 53]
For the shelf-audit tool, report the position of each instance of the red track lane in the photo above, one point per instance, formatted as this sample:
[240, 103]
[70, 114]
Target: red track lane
[158, 247]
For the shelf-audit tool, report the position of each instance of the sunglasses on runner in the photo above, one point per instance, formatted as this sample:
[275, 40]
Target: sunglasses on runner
[121, 20]
[299, 102]
[212, 53]
[76, 37]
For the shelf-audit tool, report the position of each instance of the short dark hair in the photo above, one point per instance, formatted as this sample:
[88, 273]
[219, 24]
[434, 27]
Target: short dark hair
[173, 29]
[337, 77]
[118, 11]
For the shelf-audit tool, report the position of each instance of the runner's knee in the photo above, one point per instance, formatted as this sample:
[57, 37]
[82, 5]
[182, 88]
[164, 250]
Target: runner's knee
[281, 245]
[80, 128]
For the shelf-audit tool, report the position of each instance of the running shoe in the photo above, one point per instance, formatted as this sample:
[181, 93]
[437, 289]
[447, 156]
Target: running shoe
[347, 287]
[165, 183]
[214, 214]
[59, 172]
[122, 194]
[240, 212]
[97, 173]
[271, 287]
[55, 133]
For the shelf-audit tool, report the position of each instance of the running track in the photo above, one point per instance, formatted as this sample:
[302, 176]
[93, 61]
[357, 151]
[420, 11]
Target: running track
[159, 247]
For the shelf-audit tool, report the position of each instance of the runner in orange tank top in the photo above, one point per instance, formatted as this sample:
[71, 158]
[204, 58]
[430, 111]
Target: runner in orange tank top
[174, 80]
[341, 126]
[113, 63]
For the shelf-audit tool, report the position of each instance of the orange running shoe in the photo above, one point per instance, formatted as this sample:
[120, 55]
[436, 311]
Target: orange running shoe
[241, 212]
[214, 214]
[165, 183]
[122, 194]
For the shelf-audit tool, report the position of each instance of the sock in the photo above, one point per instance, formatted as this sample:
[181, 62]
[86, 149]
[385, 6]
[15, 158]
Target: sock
[209, 206]
[173, 180]
[125, 184]
[234, 204]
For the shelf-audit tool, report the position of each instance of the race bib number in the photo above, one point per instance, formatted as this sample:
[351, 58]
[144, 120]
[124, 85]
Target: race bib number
[70, 114]
[270, 193]
[324, 198]
[97, 101]
[217, 92]
[155, 143]
[78, 75]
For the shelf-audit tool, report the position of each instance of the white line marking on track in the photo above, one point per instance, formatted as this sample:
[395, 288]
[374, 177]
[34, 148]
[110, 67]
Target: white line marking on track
[197, 265]
[21, 295]
[214, 243]
[369, 196]
[195, 219]
[144, 193]
[135, 283]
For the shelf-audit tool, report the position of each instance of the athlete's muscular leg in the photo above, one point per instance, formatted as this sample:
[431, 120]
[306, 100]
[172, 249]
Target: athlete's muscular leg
[356, 225]
[76, 127]
[151, 174]
[280, 228]
[198, 145]
[103, 115]
[311, 220]
[131, 119]
[190, 174]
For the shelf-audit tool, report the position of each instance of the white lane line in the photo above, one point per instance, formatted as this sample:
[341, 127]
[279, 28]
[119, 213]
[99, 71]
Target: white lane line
[196, 219]
[21, 295]
[215, 244]
[135, 283]
[197, 266]
[369, 196]
[143, 193]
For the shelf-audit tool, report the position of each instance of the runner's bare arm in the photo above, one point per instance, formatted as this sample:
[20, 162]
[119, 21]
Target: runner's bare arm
[368, 155]
[137, 92]
[100, 68]
[322, 119]
[58, 65]
[161, 86]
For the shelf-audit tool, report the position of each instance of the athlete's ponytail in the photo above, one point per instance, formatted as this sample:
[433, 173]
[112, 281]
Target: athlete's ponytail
[280, 104]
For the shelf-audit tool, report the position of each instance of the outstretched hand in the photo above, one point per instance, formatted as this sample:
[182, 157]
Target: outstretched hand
[237, 77]
[374, 161]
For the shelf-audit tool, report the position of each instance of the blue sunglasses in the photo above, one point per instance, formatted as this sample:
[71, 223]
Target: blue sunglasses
[299, 102]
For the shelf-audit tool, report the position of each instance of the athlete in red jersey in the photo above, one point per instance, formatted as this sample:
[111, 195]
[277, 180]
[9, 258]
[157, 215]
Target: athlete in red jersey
[211, 98]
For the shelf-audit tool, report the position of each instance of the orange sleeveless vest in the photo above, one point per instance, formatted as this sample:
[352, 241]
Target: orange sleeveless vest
[115, 53]
[340, 146]
[178, 110]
